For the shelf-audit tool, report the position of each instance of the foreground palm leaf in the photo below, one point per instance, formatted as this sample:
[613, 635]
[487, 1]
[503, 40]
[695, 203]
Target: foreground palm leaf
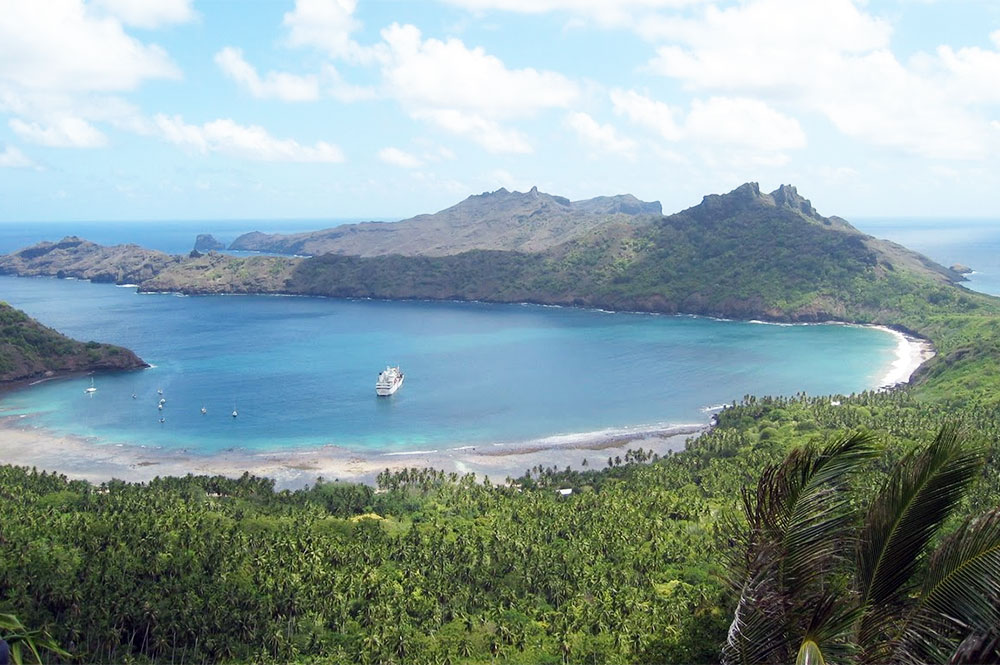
[811, 589]
[22, 640]
[796, 521]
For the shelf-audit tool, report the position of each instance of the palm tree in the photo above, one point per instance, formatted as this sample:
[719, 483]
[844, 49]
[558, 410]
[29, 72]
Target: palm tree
[817, 580]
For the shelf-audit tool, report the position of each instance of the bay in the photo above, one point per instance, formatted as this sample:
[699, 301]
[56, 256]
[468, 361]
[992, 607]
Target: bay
[301, 371]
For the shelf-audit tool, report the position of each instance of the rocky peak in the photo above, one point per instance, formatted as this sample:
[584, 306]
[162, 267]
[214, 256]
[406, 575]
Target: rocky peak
[786, 196]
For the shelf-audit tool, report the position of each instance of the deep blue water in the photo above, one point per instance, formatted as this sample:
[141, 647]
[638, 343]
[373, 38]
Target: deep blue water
[301, 371]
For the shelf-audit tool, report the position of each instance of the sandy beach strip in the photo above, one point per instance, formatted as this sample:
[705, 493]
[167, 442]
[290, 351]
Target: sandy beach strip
[911, 353]
[23, 444]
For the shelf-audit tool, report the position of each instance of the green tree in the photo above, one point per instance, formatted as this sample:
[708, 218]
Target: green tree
[817, 579]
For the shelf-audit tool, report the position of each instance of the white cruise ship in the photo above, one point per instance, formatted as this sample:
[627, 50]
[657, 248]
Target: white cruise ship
[389, 381]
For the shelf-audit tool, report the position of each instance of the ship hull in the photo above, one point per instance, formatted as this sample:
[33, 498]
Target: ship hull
[386, 390]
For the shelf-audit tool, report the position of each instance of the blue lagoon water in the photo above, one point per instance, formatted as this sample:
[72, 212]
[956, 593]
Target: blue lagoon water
[301, 371]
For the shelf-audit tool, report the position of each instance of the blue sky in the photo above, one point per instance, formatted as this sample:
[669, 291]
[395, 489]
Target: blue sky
[188, 109]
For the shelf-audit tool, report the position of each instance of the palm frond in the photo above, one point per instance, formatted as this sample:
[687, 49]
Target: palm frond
[796, 522]
[901, 521]
[815, 528]
[960, 592]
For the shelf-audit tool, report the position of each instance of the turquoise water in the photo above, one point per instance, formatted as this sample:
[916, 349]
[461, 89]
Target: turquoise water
[301, 371]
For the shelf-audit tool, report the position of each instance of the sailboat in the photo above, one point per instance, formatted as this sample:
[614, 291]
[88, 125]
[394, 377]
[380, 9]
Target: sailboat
[235, 412]
[204, 410]
[91, 390]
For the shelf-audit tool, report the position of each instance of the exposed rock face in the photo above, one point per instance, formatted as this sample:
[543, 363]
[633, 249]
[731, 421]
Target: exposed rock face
[531, 221]
[73, 257]
[962, 269]
[29, 350]
[206, 242]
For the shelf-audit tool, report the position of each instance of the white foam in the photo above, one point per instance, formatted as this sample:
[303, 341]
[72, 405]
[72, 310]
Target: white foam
[911, 353]
[410, 452]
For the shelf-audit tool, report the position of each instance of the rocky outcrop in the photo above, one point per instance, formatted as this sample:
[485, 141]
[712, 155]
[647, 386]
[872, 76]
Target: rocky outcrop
[206, 242]
[74, 257]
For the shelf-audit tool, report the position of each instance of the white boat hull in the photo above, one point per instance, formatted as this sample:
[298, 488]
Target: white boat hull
[386, 389]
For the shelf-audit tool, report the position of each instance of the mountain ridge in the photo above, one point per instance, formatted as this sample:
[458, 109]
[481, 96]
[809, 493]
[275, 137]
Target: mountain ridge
[529, 221]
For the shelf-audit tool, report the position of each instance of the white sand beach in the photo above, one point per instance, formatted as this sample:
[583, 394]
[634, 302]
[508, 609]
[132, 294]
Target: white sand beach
[911, 353]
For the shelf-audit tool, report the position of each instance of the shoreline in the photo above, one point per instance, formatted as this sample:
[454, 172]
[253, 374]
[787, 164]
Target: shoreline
[83, 458]
[911, 353]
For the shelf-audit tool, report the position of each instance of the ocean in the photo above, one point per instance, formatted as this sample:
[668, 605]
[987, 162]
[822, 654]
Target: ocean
[301, 371]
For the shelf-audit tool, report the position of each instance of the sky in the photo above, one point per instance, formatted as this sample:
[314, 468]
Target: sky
[383, 109]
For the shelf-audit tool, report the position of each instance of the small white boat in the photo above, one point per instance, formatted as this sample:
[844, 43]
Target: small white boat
[159, 391]
[160, 407]
[204, 410]
[235, 413]
[163, 401]
[389, 381]
[91, 389]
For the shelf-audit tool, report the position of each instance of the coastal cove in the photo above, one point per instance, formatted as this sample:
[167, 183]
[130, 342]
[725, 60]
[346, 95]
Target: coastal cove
[493, 389]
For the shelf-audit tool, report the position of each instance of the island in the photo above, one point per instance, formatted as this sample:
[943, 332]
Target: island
[206, 242]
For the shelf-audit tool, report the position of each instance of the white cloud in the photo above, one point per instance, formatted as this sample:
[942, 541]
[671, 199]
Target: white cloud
[833, 58]
[611, 12]
[343, 91]
[447, 74]
[737, 122]
[248, 142]
[487, 133]
[742, 122]
[58, 45]
[327, 25]
[467, 91]
[62, 132]
[148, 13]
[11, 157]
[603, 137]
[398, 157]
[275, 85]
[647, 113]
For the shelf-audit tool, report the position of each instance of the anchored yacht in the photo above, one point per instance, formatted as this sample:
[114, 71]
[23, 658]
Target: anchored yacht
[389, 381]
